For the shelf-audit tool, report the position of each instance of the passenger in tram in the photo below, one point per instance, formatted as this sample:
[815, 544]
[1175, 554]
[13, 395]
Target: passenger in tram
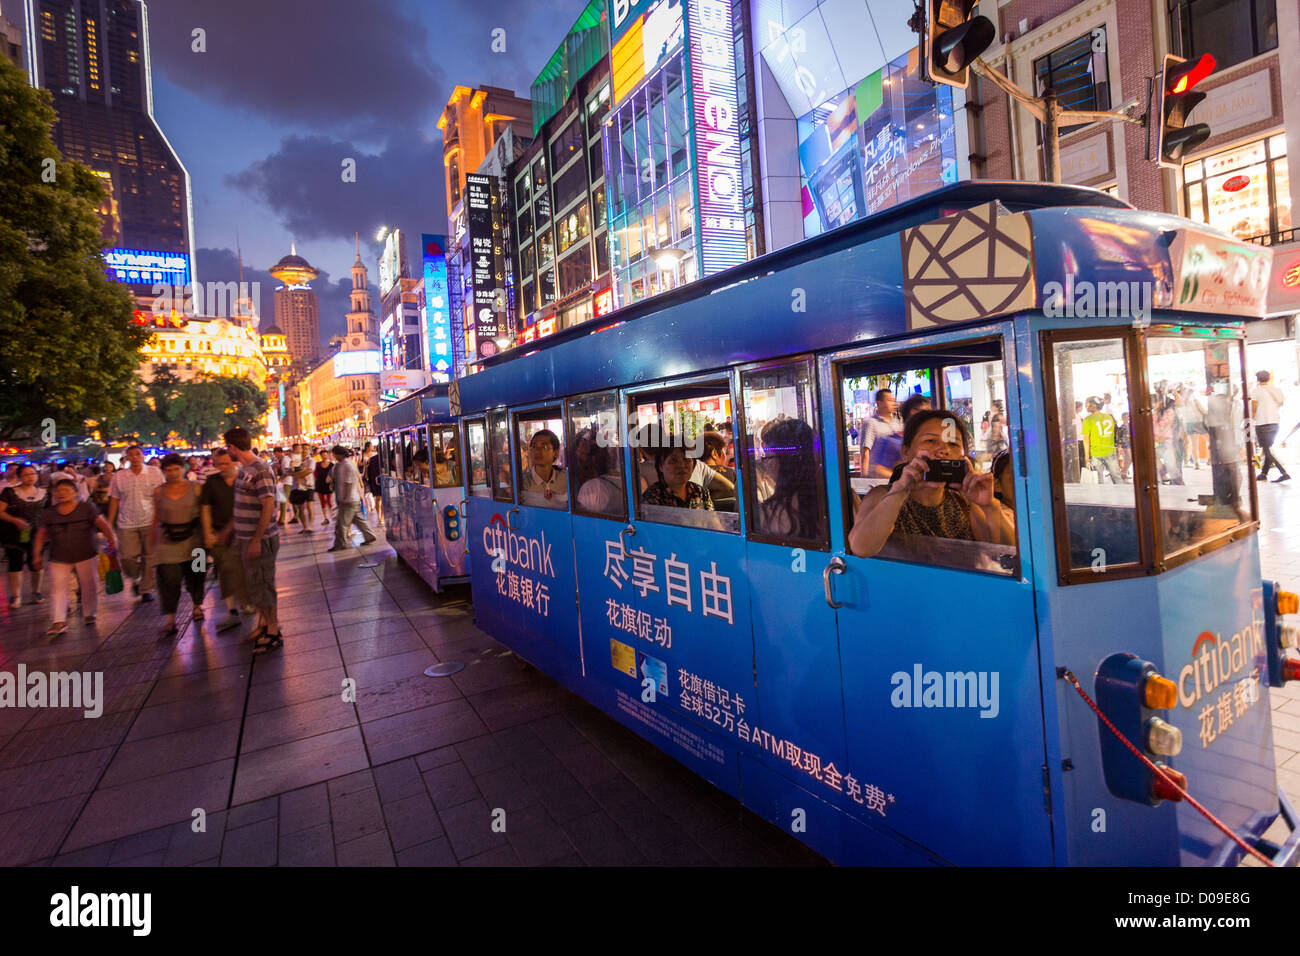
[674, 488]
[712, 472]
[1004, 485]
[584, 457]
[545, 479]
[444, 474]
[420, 461]
[603, 492]
[788, 463]
[911, 507]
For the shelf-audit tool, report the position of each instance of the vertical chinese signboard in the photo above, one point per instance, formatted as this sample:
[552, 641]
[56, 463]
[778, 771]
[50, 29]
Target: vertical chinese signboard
[481, 211]
[437, 310]
[715, 129]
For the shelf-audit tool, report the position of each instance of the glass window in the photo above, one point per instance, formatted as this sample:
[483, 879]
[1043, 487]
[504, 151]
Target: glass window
[674, 485]
[1244, 191]
[569, 186]
[575, 271]
[525, 226]
[476, 432]
[542, 195]
[446, 456]
[420, 458]
[931, 497]
[598, 207]
[786, 496]
[602, 253]
[596, 475]
[542, 481]
[408, 456]
[1232, 31]
[573, 226]
[523, 190]
[595, 161]
[597, 109]
[527, 264]
[1197, 417]
[1095, 413]
[503, 479]
[1077, 72]
[566, 145]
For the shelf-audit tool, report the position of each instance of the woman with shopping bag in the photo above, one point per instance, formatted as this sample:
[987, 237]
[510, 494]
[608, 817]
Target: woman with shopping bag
[69, 527]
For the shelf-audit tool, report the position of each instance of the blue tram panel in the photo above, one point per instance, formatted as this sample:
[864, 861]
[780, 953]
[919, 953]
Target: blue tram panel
[911, 713]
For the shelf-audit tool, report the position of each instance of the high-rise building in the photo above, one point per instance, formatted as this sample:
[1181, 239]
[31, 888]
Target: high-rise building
[11, 41]
[470, 124]
[297, 311]
[93, 57]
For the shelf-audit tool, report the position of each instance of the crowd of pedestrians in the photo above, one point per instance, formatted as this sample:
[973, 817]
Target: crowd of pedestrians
[168, 520]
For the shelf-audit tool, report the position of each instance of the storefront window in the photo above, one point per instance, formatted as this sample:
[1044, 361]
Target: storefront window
[1232, 31]
[1244, 191]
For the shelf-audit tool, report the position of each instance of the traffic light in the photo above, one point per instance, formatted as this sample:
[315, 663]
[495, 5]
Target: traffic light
[1177, 100]
[954, 39]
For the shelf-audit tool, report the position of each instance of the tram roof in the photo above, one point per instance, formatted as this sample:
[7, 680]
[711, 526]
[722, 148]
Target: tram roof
[849, 282]
[428, 404]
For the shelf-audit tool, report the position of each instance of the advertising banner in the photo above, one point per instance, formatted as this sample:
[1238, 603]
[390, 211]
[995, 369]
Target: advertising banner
[144, 267]
[487, 272]
[437, 312]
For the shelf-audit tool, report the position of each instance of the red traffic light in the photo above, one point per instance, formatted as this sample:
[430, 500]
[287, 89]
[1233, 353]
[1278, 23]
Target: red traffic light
[1184, 81]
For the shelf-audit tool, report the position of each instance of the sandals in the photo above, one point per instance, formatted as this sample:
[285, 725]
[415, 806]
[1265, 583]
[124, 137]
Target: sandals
[57, 628]
[198, 614]
[268, 642]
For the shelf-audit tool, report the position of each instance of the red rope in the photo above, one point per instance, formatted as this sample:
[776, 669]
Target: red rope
[1069, 676]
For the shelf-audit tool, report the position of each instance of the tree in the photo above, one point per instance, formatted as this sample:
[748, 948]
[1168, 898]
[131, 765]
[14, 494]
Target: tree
[70, 343]
[196, 412]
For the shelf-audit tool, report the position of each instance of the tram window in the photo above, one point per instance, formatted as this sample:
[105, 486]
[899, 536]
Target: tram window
[476, 438]
[1094, 444]
[420, 458]
[671, 431]
[446, 456]
[873, 420]
[596, 473]
[961, 523]
[782, 457]
[1197, 416]
[503, 479]
[393, 442]
[408, 456]
[542, 481]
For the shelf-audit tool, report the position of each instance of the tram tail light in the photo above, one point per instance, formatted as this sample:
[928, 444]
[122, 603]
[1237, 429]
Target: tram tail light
[1164, 791]
[1287, 602]
[451, 522]
[1159, 693]
[1163, 738]
[1290, 668]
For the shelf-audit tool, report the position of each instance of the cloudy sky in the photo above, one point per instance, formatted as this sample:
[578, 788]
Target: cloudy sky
[288, 89]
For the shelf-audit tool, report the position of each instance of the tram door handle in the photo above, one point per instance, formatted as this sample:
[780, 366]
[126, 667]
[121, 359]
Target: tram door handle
[512, 511]
[836, 565]
[630, 529]
[464, 520]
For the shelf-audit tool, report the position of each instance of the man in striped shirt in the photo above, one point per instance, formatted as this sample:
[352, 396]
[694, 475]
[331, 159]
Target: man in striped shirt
[257, 536]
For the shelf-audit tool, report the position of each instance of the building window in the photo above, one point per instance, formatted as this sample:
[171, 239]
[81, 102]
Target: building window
[1077, 73]
[1232, 31]
[1245, 191]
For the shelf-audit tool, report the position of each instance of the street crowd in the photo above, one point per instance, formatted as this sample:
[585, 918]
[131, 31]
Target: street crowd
[166, 523]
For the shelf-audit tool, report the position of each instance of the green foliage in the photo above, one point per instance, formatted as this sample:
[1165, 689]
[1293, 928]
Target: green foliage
[70, 345]
[198, 412]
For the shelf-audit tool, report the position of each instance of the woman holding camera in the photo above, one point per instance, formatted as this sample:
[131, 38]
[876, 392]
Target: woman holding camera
[959, 505]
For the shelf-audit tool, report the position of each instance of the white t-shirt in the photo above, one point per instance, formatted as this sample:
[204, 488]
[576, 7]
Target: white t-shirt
[135, 492]
[874, 428]
[1268, 399]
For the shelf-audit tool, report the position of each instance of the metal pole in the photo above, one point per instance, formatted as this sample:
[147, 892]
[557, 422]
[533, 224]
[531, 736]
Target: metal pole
[1051, 137]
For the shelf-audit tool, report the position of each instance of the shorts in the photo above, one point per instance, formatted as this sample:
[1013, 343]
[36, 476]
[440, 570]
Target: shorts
[259, 572]
[19, 555]
[300, 497]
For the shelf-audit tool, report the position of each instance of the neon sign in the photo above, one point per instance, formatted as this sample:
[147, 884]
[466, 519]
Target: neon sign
[147, 266]
[717, 150]
[437, 317]
[361, 362]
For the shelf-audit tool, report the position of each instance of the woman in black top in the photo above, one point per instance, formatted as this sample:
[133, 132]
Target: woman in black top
[69, 526]
[324, 480]
[20, 516]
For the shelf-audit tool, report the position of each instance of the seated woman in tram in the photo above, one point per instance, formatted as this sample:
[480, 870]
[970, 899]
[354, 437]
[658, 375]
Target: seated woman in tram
[788, 463]
[603, 492]
[674, 489]
[911, 507]
[545, 481]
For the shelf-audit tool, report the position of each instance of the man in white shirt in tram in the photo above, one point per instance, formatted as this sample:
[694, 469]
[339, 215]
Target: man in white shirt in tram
[1265, 411]
[347, 495]
[130, 508]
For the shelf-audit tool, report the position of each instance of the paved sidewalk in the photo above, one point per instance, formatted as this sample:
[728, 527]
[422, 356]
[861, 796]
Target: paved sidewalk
[284, 771]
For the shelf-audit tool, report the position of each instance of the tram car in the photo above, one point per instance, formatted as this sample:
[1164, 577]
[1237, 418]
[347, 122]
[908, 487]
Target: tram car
[1036, 640]
[421, 486]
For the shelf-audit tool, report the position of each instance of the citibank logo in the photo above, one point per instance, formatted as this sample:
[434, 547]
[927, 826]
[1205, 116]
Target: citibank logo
[1216, 660]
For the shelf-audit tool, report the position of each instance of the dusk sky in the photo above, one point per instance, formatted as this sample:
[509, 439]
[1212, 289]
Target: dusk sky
[287, 89]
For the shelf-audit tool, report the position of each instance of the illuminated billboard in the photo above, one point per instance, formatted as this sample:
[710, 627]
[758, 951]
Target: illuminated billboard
[145, 267]
[487, 271]
[642, 36]
[391, 260]
[361, 362]
[437, 306]
[715, 133]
